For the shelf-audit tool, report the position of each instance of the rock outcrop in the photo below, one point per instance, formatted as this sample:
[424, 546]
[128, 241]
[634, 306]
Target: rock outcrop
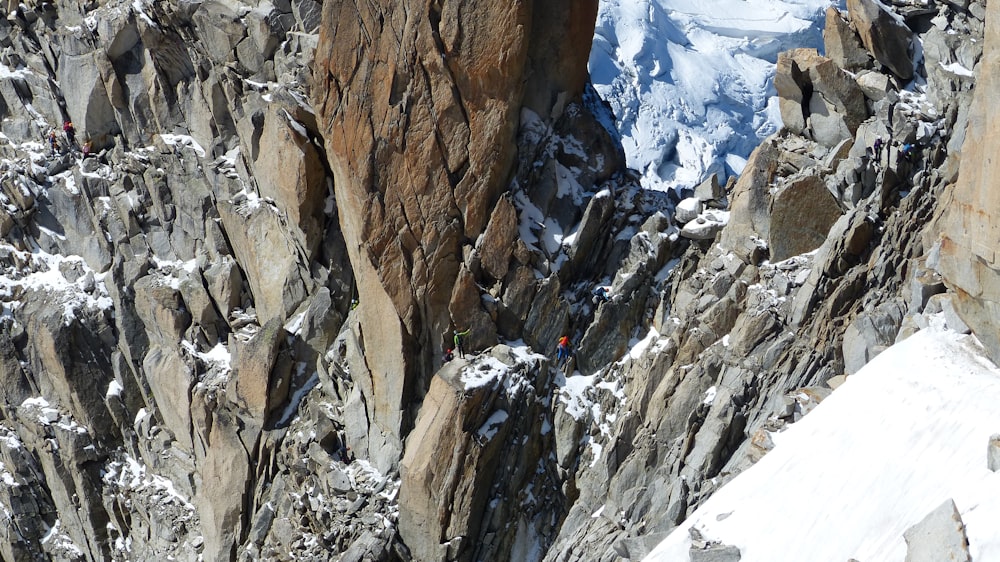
[884, 34]
[420, 105]
[742, 335]
[222, 326]
[969, 233]
[939, 536]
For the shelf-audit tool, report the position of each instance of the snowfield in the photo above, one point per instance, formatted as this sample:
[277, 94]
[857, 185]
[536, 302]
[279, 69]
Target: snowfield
[906, 433]
[691, 83]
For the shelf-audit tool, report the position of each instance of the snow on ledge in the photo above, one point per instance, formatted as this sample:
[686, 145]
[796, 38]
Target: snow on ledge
[183, 140]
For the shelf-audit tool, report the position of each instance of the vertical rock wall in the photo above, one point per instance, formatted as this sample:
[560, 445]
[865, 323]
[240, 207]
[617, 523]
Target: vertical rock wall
[970, 225]
[420, 104]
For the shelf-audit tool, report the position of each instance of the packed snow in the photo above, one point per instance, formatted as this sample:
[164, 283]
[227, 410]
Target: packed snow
[906, 433]
[690, 82]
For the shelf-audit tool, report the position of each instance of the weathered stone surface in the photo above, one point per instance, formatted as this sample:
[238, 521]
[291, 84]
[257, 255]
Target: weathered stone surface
[593, 226]
[883, 34]
[875, 85]
[801, 216]
[938, 536]
[791, 84]
[710, 190]
[498, 240]
[869, 335]
[170, 381]
[715, 553]
[224, 284]
[268, 254]
[289, 171]
[993, 453]
[438, 502]
[467, 311]
[213, 280]
[842, 43]
[405, 213]
[840, 95]
[968, 262]
[748, 219]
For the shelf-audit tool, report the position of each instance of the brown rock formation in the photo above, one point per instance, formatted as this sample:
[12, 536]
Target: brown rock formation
[842, 43]
[883, 34]
[970, 232]
[801, 216]
[420, 105]
[817, 97]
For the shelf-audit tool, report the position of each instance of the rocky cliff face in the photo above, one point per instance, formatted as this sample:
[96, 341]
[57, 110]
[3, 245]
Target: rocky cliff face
[969, 230]
[184, 373]
[830, 255]
[421, 105]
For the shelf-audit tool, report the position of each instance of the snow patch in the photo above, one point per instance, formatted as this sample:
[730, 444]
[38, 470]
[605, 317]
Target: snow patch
[183, 141]
[892, 443]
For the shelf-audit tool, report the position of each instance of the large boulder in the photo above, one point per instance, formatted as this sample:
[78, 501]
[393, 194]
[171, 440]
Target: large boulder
[440, 497]
[938, 536]
[842, 43]
[802, 213]
[498, 240]
[289, 169]
[267, 253]
[884, 34]
[817, 97]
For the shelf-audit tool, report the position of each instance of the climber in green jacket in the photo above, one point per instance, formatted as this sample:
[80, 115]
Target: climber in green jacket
[460, 342]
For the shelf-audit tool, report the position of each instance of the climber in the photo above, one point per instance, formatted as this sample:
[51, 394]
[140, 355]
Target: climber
[53, 142]
[562, 351]
[87, 147]
[448, 355]
[70, 133]
[460, 341]
[907, 151]
[877, 150]
[600, 294]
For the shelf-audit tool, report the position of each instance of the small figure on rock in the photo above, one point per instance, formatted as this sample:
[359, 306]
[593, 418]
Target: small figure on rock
[460, 341]
[448, 355]
[70, 133]
[562, 352]
[907, 151]
[876, 150]
[87, 147]
[354, 303]
[53, 142]
[600, 294]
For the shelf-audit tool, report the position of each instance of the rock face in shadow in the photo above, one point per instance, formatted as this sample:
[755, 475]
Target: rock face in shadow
[884, 34]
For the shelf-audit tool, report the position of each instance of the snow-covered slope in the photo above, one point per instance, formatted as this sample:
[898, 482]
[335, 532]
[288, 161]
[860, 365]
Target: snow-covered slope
[906, 433]
[690, 81]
